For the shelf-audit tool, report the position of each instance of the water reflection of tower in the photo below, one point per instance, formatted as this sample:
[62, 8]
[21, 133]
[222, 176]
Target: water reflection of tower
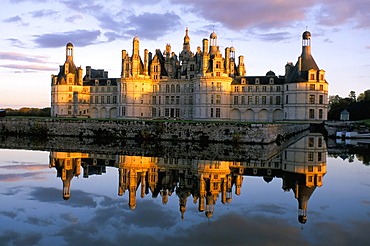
[68, 165]
[214, 178]
[304, 165]
[134, 171]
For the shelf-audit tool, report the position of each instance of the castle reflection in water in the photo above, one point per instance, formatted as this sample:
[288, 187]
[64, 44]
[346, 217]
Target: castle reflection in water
[301, 166]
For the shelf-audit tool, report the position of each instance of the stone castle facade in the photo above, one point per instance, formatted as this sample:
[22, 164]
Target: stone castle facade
[201, 85]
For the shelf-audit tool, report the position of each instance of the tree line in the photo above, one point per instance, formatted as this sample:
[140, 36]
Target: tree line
[41, 112]
[357, 106]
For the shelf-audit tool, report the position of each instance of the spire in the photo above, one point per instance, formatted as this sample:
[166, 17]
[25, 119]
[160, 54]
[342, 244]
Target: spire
[186, 45]
[307, 62]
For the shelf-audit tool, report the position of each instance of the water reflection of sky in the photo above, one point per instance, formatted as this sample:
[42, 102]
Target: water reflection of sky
[32, 210]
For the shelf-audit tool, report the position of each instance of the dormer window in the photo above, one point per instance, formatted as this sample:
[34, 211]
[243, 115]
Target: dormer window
[96, 82]
[108, 82]
[257, 81]
[271, 81]
[244, 81]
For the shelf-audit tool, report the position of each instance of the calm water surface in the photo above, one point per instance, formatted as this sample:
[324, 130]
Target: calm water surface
[296, 196]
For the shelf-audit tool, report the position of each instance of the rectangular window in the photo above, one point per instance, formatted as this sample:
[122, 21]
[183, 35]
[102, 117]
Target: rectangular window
[166, 112]
[312, 99]
[321, 87]
[177, 99]
[312, 77]
[319, 158]
[108, 99]
[278, 100]
[236, 100]
[177, 112]
[243, 100]
[271, 99]
[312, 87]
[114, 99]
[236, 89]
[263, 100]
[154, 100]
[218, 112]
[124, 111]
[211, 112]
[286, 99]
[167, 100]
[257, 88]
[172, 99]
[310, 156]
[257, 100]
[249, 88]
[154, 88]
[218, 99]
[310, 142]
[218, 88]
[264, 88]
[320, 113]
[191, 88]
[154, 112]
[102, 99]
[321, 99]
[278, 88]
[250, 100]
[212, 99]
[311, 113]
[319, 142]
[190, 100]
[159, 100]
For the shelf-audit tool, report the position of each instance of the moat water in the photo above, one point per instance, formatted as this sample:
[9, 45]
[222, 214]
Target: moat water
[310, 192]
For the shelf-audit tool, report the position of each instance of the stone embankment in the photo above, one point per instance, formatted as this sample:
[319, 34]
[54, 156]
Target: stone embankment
[152, 130]
[332, 127]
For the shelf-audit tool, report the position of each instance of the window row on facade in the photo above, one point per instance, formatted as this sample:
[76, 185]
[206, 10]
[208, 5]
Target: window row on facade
[257, 100]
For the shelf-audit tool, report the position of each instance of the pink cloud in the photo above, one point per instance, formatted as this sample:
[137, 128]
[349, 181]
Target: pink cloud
[28, 67]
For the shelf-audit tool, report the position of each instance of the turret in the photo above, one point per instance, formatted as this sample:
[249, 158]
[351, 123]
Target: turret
[213, 48]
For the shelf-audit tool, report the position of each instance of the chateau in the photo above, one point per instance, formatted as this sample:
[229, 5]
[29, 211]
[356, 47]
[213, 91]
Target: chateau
[200, 85]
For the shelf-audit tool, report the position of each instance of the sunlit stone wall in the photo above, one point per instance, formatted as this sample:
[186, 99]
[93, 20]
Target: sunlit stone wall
[159, 130]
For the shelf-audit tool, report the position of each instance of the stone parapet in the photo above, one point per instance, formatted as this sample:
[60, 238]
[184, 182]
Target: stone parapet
[152, 130]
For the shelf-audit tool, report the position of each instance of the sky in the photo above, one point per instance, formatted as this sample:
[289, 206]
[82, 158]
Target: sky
[266, 32]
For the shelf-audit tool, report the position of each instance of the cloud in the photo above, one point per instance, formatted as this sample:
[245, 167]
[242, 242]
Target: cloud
[25, 167]
[39, 222]
[22, 176]
[11, 215]
[17, 239]
[22, 57]
[13, 19]
[15, 42]
[43, 13]
[28, 67]
[353, 233]
[79, 38]
[270, 208]
[153, 25]
[70, 218]
[254, 230]
[278, 36]
[74, 18]
[53, 195]
[83, 6]
[237, 15]
[356, 12]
